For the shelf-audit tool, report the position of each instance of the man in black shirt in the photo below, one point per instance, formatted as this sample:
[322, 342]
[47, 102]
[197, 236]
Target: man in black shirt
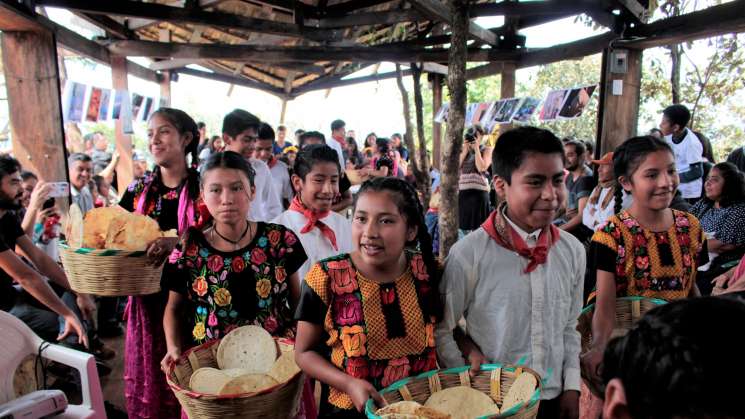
[14, 269]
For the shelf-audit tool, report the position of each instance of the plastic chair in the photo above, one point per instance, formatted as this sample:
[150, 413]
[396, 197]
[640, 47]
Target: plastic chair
[17, 341]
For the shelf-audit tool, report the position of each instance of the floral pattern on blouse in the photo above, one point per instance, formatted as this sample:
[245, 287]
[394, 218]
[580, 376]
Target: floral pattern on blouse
[647, 263]
[377, 332]
[248, 286]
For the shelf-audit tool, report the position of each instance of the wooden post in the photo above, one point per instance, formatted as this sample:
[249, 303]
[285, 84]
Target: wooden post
[124, 168]
[507, 88]
[283, 111]
[436, 126]
[448, 214]
[618, 114]
[165, 90]
[32, 82]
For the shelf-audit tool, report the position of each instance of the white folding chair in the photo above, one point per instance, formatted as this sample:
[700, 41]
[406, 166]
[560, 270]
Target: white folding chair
[17, 341]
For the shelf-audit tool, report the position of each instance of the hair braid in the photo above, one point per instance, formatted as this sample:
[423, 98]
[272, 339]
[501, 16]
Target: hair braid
[617, 198]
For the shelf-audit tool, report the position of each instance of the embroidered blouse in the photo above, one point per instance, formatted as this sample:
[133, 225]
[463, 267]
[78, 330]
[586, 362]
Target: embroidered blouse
[648, 263]
[232, 289]
[377, 332]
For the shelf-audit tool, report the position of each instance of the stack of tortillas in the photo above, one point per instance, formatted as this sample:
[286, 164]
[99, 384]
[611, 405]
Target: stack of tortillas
[248, 362]
[462, 402]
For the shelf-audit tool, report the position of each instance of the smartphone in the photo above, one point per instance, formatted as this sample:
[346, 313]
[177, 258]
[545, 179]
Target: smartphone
[59, 189]
[49, 203]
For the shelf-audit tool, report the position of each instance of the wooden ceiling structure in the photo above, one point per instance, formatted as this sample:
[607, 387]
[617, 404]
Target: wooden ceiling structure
[288, 48]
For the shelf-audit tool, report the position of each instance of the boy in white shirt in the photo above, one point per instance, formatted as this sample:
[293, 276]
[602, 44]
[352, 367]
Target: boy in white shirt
[322, 232]
[518, 280]
[239, 131]
[280, 173]
[688, 151]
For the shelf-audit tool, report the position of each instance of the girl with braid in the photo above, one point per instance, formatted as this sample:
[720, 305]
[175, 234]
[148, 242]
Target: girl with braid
[648, 250]
[366, 318]
[169, 195]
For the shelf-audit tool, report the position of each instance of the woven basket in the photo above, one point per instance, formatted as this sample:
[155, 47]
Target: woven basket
[280, 401]
[493, 380]
[628, 311]
[110, 273]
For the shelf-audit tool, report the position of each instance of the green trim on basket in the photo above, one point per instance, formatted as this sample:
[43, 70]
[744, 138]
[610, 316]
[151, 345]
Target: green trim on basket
[656, 301]
[103, 252]
[369, 405]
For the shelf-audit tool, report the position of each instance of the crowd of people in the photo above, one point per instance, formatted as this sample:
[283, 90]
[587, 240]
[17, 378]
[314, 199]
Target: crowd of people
[273, 232]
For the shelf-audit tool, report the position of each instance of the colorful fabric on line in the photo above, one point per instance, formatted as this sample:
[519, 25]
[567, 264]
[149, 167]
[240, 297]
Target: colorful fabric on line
[379, 332]
[648, 263]
[497, 227]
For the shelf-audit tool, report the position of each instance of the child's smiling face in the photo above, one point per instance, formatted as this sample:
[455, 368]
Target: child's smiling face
[379, 230]
[536, 191]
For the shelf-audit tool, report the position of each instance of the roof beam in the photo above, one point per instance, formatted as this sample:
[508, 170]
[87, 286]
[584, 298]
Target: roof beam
[388, 17]
[273, 53]
[160, 12]
[439, 11]
[330, 84]
[525, 9]
[225, 78]
[13, 17]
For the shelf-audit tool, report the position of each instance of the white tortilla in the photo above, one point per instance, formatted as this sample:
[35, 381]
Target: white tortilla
[462, 402]
[250, 348]
[521, 391]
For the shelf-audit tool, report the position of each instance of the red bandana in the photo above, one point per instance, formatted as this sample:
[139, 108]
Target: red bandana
[340, 141]
[314, 220]
[272, 162]
[497, 227]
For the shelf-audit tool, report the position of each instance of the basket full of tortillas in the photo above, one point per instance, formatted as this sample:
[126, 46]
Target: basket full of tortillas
[104, 253]
[496, 391]
[246, 374]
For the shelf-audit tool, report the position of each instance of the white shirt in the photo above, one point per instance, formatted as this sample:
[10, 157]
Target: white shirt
[267, 203]
[316, 245]
[281, 180]
[336, 146]
[530, 239]
[82, 198]
[512, 315]
[688, 152]
[594, 216]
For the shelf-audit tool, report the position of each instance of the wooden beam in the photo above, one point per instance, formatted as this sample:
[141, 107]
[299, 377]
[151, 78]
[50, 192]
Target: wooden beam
[32, 84]
[112, 27]
[387, 17]
[524, 9]
[240, 81]
[436, 126]
[342, 9]
[330, 84]
[165, 90]
[618, 114]
[161, 12]
[713, 21]
[274, 53]
[123, 142]
[438, 11]
[14, 17]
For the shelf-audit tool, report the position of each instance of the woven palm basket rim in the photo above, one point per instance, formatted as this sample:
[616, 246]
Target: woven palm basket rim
[102, 271]
[584, 321]
[213, 397]
[520, 409]
[101, 252]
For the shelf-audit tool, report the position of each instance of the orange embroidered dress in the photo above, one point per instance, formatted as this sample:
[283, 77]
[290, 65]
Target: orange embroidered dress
[377, 332]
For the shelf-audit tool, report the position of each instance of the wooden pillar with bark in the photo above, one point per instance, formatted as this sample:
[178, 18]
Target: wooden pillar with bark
[124, 169]
[32, 82]
[507, 87]
[618, 110]
[448, 216]
[436, 126]
[165, 90]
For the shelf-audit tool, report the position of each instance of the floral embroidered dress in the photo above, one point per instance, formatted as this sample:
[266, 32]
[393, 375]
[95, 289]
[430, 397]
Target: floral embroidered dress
[377, 332]
[648, 263]
[146, 391]
[232, 289]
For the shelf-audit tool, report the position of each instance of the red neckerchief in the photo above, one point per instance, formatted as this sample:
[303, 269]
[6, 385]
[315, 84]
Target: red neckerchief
[272, 162]
[314, 220]
[497, 227]
[340, 141]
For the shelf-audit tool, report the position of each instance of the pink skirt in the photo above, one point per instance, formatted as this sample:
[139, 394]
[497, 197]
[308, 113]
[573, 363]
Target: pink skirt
[147, 393]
